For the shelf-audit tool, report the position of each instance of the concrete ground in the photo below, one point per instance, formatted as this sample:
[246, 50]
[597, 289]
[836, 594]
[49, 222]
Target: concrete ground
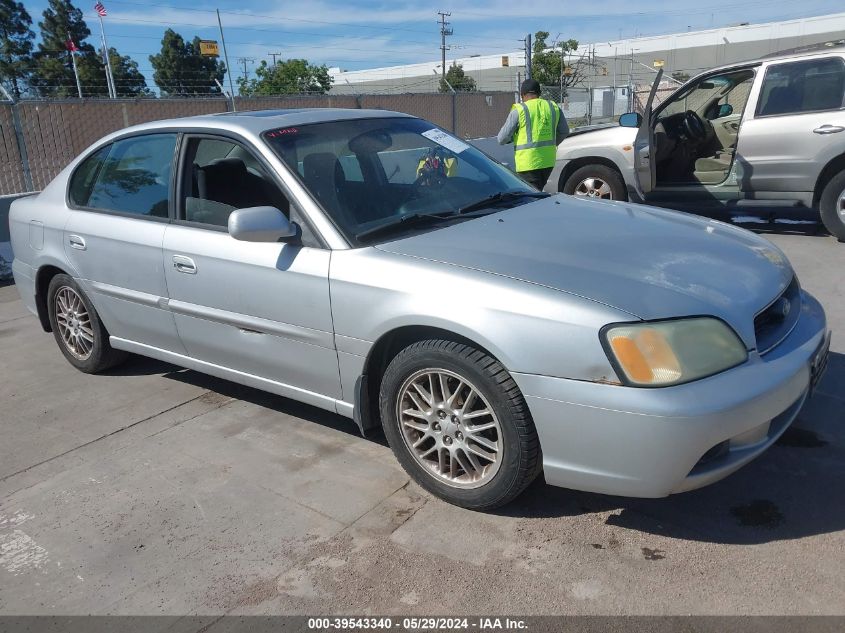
[155, 490]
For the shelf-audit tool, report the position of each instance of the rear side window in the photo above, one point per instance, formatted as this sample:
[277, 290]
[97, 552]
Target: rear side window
[809, 86]
[85, 175]
[129, 176]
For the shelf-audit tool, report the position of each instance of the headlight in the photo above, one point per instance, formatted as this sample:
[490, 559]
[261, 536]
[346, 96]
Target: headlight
[664, 353]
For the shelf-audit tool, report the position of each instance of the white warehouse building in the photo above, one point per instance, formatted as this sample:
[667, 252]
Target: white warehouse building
[618, 64]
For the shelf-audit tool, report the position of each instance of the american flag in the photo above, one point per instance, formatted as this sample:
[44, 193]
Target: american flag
[71, 46]
[100, 9]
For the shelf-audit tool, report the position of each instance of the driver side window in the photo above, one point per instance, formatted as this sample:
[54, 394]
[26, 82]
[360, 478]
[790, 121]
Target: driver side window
[221, 176]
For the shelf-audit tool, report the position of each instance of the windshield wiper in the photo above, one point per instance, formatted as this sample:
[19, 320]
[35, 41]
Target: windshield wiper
[502, 196]
[403, 221]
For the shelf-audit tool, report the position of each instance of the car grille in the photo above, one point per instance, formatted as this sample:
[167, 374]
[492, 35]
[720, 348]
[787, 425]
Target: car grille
[776, 321]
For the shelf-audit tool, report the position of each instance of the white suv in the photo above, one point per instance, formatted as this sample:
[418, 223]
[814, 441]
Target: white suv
[763, 134]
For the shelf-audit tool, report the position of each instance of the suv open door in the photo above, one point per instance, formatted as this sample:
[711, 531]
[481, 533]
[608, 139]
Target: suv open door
[644, 153]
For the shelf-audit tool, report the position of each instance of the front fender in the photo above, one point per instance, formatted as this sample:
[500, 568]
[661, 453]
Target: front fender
[529, 328]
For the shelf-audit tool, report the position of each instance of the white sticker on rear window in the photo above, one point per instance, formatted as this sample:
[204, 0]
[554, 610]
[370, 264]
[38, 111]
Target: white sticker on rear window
[449, 142]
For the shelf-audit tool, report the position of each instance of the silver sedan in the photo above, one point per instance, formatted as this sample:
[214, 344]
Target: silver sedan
[371, 264]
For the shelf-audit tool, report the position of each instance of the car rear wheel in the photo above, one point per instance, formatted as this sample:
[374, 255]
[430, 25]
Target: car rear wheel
[81, 336]
[596, 181]
[458, 424]
[832, 206]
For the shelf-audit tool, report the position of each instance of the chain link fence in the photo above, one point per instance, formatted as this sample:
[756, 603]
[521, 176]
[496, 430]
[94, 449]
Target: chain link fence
[39, 138]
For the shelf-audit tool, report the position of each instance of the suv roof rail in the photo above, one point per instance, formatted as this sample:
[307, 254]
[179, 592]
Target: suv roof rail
[808, 48]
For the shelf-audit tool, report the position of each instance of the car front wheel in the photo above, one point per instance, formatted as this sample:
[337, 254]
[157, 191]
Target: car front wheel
[81, 336]
[832, 206]
[458, 424]
[596, 181]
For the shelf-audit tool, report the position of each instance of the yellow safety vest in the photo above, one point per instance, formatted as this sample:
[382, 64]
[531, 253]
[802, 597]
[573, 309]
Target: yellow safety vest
[535, 146]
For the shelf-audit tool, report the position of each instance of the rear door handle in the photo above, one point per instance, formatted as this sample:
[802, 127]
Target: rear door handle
[184, 264]
[76, 242]
[829, 129]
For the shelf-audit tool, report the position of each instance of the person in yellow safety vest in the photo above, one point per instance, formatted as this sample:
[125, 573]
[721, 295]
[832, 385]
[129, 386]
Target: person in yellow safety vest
[535, 127]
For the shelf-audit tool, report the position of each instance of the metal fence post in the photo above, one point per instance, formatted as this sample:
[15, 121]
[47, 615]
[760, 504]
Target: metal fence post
[21, 140]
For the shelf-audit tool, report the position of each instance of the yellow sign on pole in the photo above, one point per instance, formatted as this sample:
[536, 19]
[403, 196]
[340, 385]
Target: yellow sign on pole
[208, 48]
[659, 63]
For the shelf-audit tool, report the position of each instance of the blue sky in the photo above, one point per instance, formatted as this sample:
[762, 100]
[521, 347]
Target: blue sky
[366, 34]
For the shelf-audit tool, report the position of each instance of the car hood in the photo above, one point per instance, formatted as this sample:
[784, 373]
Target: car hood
[648, 262]
[605, 136]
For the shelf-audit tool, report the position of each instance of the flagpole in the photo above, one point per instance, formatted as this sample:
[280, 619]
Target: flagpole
[109, 76]
[75, 69]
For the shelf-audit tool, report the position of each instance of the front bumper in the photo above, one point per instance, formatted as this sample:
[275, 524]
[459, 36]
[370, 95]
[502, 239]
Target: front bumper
[654, 442]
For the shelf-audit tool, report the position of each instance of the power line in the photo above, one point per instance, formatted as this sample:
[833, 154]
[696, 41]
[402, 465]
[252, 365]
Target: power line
[244, 61]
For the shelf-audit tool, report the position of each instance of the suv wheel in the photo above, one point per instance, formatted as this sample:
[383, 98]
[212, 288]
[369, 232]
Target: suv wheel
[596, 181]
[458, 424]
[832, 206]
[81, 336]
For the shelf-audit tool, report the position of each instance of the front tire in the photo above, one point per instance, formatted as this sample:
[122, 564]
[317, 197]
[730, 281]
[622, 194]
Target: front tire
[832, 206]
[458, 424]
[596, 181]
[80, 334]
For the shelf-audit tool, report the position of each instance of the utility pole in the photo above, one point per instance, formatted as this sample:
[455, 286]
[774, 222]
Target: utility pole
[245, 61]
[274, 56]
[444, 31]
[631, 84]
[528, 56]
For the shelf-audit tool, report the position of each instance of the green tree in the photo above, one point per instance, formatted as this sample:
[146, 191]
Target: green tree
[16, 38]
[53, 73]
[180, 69]
[458, 79]
[128, 80]
[546, 66]
[294, 76]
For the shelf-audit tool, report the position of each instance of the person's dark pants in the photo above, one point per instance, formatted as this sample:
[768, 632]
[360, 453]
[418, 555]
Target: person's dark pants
[536, 177]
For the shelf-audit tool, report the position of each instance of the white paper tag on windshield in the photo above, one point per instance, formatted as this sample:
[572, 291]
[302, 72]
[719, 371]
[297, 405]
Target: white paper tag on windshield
[449, 142]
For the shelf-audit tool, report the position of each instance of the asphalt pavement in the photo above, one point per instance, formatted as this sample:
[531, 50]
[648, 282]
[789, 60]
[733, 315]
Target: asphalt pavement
[157, 490]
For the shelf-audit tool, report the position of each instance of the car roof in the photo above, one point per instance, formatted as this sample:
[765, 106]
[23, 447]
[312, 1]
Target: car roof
[824, 48]
[257, 121]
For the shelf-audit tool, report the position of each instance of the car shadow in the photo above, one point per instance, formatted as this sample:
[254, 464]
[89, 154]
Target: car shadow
[790, 492]
[142, 366]
[803, 222]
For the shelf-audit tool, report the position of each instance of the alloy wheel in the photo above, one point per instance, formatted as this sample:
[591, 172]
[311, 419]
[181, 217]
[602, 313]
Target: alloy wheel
[594, 188]
[74, 323]
[840, 206]
[450, 428]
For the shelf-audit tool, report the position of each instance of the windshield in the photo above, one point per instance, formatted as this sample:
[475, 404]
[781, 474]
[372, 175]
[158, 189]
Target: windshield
[699, 96]
[371, 172]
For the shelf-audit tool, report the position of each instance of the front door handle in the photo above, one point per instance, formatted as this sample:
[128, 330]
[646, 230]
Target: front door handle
[829, 129]
[184, 264]
[76, 242]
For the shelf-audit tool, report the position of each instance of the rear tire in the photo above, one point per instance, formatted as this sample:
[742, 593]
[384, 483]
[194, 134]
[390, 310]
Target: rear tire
[596, 181]
[444, 437]
[81, 336]
[832, 206]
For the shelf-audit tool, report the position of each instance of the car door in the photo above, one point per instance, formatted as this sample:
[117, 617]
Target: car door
[644, 154]
[260, 309]
[120, 201]
[797, 127]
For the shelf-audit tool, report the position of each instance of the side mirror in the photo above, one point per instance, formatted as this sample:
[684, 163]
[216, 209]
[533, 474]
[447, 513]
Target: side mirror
[262, 224]
[726, 109]
[631, 119]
